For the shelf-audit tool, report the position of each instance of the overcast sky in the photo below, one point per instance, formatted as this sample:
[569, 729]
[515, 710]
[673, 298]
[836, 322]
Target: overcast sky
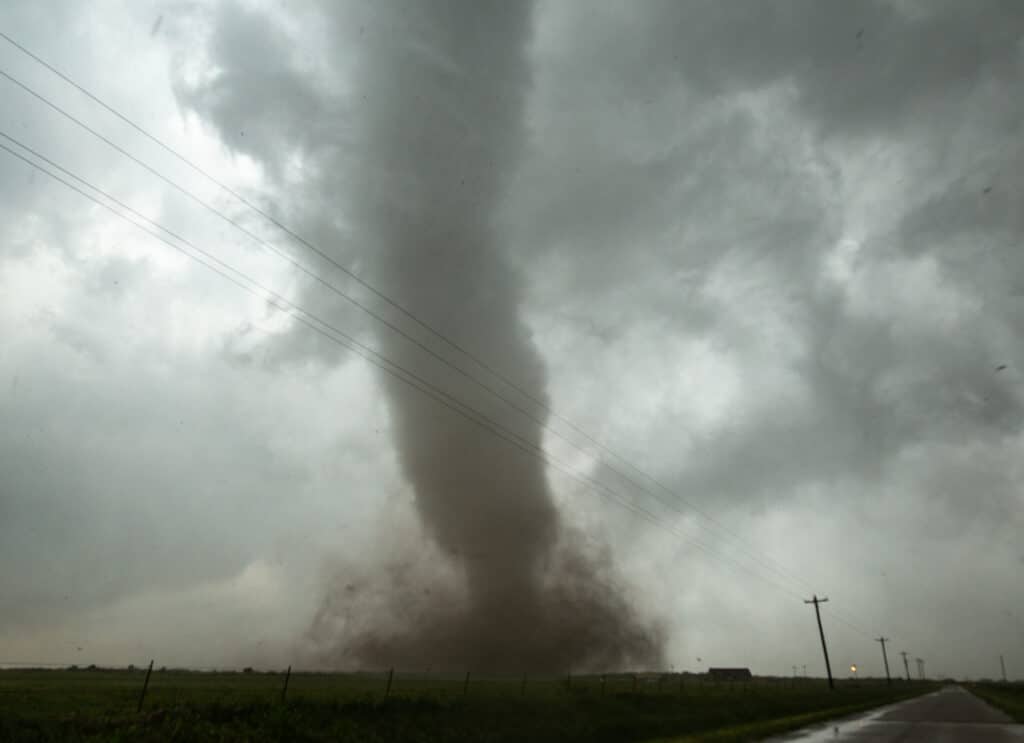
[768, 253]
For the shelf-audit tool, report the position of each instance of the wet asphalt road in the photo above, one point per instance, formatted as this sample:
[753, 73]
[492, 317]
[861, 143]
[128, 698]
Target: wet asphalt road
[951, 715]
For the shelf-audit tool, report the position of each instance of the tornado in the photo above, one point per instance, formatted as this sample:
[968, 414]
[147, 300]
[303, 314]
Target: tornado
[440, 128]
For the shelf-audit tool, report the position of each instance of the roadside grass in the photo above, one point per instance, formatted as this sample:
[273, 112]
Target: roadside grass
[100, 705]
[1005, 696]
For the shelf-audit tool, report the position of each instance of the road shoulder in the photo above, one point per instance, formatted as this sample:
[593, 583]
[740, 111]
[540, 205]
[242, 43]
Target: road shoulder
[780, 725]
[1006, 697]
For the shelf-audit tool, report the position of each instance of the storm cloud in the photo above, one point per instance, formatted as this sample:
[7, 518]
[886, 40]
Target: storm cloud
[771, 254]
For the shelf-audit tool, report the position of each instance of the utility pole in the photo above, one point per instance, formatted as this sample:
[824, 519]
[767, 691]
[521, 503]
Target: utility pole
[1002, 664]
[906, 666]
[885, 658]
[145, 685]
[805, 670]
[920, 668]
[824, 647]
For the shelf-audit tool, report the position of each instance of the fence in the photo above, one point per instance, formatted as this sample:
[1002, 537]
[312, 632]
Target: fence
[157, 685]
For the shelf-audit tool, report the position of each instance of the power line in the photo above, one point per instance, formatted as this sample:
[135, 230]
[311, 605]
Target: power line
[279, 301]
[295, 236]
[773, 564]
[349, 339]
[850, 625]
[390, 325]
[376, 316]
[338, 336]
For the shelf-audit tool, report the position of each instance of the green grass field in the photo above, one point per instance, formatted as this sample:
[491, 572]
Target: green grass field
[184, 705]
[1007, 697]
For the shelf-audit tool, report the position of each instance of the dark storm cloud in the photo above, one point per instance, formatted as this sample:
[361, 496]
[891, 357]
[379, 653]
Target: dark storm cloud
[856, 66]
[682, 158]
[677, 149]
[769, 250]
[723, 187]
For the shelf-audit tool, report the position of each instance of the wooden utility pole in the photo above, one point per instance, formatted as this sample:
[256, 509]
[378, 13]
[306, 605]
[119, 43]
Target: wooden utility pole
[284, 689]
[145, 685]
[906, 666]
[885, 658]
[920, 668]
[1002, 664]
[824, 647]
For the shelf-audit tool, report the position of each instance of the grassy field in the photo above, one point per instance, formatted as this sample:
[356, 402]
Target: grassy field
[101, 704]
[1007, 697]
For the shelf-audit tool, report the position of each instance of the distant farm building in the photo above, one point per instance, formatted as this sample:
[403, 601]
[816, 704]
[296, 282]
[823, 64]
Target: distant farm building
[729, 674]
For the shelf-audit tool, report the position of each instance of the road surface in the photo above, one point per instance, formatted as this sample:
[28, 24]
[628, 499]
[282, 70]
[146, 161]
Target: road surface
[951, 715]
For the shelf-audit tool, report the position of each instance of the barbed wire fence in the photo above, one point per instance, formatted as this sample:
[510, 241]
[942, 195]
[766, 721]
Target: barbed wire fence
[161, 684]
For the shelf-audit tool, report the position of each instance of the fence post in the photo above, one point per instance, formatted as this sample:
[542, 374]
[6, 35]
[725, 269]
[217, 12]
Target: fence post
[465, 685]
[145, 685]
[391, 676]
[284, 689]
